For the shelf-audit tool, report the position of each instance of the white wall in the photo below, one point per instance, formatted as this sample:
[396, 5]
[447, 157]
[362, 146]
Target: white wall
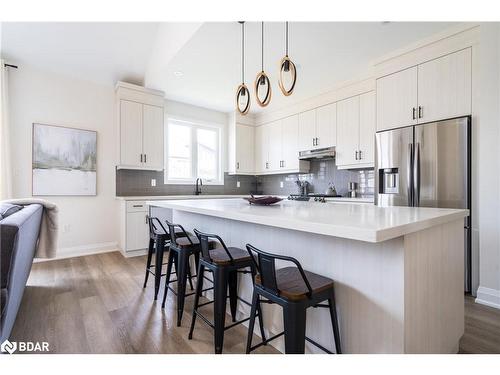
[488, 154]
[87, 224]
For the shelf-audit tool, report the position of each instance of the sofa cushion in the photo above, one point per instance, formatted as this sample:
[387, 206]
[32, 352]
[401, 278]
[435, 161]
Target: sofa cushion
[7, 209]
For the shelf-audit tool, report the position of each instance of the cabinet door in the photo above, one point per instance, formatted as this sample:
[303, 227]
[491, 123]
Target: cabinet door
[347, 131]
[367, 128]
[307, 130]
[130, 133]
[397, 99]
[290, 145]
[326, 126]
[444, 87]
[244, 149]
[137, 231]
[275, 145]
[261, 149]
[153, 126]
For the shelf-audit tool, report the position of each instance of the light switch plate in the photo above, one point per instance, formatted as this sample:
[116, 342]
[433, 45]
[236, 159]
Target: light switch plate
[153, 182]
[281, 184]
[238, 184]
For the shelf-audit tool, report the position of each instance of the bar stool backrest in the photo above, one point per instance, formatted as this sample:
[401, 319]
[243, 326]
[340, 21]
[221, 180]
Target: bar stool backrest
[154, 226]
[204, 239]
[266, 266]
[173, 234]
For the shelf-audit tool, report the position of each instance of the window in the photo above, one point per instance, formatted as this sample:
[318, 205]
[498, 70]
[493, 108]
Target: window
[192, 151]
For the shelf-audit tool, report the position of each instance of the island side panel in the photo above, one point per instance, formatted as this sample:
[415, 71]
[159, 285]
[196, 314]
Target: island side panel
[369, 282]
[434, 289]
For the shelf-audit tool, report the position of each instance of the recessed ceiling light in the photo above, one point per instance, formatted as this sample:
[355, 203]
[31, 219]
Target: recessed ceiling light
[178, 73]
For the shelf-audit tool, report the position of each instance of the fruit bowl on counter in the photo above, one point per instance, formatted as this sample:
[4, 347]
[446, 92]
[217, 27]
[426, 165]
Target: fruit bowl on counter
[263, 201]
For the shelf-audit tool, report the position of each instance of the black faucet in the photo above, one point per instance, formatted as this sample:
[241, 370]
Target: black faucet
[197, 190]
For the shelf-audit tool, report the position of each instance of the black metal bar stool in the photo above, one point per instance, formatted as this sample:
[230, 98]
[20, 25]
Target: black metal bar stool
[294, 290]
[159, 241]
[182, 247]
[224, 263]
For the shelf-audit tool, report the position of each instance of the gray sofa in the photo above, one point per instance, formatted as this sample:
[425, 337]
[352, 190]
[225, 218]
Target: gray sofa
[19, 230]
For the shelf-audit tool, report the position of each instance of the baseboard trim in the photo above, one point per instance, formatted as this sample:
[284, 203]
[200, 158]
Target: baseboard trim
[489, 297]
[78, 251]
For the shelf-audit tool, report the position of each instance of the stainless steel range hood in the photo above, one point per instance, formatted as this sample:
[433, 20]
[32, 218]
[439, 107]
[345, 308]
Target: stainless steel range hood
[319, 153]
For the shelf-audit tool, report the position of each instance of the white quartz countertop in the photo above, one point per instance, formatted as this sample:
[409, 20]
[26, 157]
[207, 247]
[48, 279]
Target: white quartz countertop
[364, 222]
[177, 197]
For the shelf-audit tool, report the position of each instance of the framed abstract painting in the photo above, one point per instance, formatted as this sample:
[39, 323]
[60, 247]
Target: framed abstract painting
[64, 161]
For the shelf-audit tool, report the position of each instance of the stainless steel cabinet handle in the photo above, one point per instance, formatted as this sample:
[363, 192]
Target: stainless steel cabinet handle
[360, 155]
[416, 176]
[409, 174]
[146, 219]
[137, 205]
[237, 165]
[145, 158]
[356, 155]
[420, 111]
[141, 158]
[414, 116]
[317, 141]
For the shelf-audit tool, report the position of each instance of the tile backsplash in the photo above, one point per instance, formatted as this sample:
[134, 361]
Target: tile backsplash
[322, 173]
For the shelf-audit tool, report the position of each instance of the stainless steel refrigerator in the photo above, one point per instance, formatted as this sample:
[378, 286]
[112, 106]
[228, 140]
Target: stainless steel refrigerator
[427, 165]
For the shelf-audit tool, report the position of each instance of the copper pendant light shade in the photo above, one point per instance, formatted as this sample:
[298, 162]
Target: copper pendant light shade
[287, 67]
[242, 93]
[262, 82]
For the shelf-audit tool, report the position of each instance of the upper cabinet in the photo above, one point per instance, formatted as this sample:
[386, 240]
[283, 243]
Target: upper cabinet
[140, 124]
[318, 128]
[241, 149]
[356, 132]
[435, 90]
[444, 87]
[277, 147]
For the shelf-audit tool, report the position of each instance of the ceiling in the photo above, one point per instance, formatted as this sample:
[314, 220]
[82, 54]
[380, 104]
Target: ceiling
[208, 55]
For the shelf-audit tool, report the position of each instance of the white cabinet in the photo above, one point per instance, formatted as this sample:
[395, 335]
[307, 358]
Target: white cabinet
[140, 124]
[134, 228]
[326, 126]
[130, 133]
[356, 132]
[367, 123]
[318, 128]
[397, 99]
[241, 149]
[432, 91]
[444, 87]
[152, 136]
[276, 147]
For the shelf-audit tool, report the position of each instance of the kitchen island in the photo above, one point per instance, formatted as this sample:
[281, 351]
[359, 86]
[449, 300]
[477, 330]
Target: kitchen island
[398, 271]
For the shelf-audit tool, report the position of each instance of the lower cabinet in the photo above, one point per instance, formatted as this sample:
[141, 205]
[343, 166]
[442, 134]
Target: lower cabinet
[134, 228]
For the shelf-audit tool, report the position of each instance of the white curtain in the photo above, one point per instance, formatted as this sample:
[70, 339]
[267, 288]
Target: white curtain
[5, 165]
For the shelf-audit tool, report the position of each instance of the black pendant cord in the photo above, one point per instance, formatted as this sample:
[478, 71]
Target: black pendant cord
[286, 38]
[243, 52]
[262, 54]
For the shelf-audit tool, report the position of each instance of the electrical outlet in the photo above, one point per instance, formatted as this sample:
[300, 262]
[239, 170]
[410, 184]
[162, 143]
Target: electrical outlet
[153, 182]
[281, 184]
[238, 184]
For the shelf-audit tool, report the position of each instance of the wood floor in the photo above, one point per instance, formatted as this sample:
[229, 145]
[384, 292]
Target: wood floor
[96, 304]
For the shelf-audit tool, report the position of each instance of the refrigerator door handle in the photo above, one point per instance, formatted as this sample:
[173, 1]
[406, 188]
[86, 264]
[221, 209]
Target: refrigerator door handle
[416, 175]
[409, 174]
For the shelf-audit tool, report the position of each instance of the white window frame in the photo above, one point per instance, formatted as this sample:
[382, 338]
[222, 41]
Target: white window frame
[194, 124]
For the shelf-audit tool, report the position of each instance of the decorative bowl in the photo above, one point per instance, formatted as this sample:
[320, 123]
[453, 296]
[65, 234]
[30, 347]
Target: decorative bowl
[263, 201]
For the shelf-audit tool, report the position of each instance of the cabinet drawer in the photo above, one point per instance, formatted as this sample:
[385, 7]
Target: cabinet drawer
[137, 206]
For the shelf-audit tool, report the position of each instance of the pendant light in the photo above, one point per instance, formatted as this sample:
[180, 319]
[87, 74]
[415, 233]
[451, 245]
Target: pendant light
[262, 83]
[242, 93]
[287, 67]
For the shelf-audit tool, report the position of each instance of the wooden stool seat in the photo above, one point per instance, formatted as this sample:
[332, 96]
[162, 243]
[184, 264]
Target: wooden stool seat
[219, 256]
[190, 241]
[291, 284]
